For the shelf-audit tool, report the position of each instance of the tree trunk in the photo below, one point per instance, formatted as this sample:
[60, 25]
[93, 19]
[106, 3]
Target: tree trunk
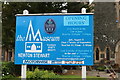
[12, 55]
[6, 55]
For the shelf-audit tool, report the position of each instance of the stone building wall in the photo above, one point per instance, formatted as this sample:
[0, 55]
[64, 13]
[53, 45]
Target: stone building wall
[107, 34]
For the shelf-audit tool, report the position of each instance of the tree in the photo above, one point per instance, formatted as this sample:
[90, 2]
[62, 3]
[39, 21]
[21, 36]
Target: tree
[75, 7]
[10, 10]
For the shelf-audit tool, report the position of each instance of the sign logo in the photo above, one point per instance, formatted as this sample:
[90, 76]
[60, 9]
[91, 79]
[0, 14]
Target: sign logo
[50, 26]
[31, 36]
[32, 40]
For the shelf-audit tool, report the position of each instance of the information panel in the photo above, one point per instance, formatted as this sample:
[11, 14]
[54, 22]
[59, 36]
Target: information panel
[54, 39]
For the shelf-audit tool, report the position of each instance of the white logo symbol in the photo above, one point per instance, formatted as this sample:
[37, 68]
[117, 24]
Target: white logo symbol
[20, 38]
[31, 36]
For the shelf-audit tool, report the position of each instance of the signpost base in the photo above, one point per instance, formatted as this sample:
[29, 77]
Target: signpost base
[23, 72]
[83, 72]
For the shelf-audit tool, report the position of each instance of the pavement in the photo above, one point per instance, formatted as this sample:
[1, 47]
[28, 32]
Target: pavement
[102, 74]
[119, 76]
[95, 73]
[90, 73]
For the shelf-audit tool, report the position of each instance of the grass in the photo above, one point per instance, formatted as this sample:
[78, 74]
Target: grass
[75, 77]
[72, 77]
[69, 76]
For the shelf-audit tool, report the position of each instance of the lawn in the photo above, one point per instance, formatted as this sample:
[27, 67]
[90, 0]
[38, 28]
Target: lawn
[75, 77]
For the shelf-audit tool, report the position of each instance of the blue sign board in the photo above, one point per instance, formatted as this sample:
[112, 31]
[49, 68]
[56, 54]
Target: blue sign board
[54, 39]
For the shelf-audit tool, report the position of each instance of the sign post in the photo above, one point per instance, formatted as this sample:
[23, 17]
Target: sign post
[83, 72]
[83, 67]
[23, 72]
[24, 67]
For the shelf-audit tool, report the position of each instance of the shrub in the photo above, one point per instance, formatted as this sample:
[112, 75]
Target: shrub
[10, 68]
[49, 75]
[8, 77]
[38, 74]
[101, 68]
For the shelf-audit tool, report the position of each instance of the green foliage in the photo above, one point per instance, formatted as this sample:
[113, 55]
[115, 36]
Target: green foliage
[8, 77]
[75, 7]
[30, 74]
[101, 68]
[10, 68]
[49, 75]
[38, 74]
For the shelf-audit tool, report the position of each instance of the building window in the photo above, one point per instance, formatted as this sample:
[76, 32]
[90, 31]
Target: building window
[107, 54]
[102, 56]
[97, 54]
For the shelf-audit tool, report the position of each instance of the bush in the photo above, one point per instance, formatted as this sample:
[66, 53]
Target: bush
[38, 74]
[101, 68]
[8, 77]
[11, 69]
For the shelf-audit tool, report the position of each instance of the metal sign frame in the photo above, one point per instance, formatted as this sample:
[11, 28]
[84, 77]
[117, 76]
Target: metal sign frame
[86, 28]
